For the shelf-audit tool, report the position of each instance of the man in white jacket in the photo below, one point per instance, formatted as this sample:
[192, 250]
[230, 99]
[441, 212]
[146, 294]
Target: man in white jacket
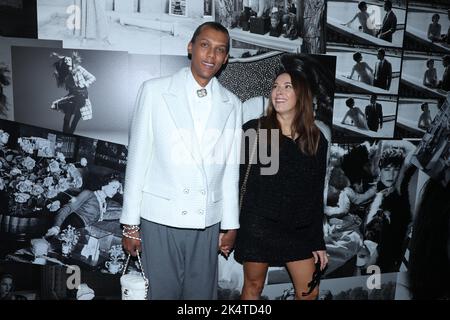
[182, 175]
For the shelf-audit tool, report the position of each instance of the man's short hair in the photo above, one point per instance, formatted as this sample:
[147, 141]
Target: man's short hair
[388, 4]
[381, 51]
[373, 96]
[214, 25]
[391, 156]
[446, 58]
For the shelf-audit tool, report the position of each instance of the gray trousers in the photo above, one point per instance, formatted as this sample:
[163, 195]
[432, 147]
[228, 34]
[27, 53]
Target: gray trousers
[181, 264]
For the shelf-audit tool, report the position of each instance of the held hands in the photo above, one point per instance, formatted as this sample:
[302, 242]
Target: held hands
[226, 242]
[321, 255]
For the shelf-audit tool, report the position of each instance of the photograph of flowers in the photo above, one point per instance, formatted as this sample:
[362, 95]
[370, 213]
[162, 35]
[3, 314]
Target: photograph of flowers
[59, 207]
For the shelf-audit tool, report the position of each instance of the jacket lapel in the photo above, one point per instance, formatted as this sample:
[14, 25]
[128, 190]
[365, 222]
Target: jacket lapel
[220, 110]
[178, 105]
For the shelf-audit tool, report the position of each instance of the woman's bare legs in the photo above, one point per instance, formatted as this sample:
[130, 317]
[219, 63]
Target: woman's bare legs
[254, 277]
[301, 272]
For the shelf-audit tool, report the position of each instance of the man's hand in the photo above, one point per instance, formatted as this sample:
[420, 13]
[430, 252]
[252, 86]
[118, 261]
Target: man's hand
[226, 242]
[132, 245]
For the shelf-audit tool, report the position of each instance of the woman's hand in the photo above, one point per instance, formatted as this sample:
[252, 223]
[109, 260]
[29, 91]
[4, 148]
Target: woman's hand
[321, 255]
[226, 242]
[53, 231]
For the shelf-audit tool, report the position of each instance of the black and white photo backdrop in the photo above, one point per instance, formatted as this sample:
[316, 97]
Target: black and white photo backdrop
[366, 22]
[142, 67]
[429, 259]
[415, 116]
[21, 282]
[425, 75]
[433, 153]
[18, 18]
[40, 100]
[351, 288]
[386, 189]
[368, 210]
[282, 25]
[366, 69]
[58, 207]
[143, 26]
[363, 116]
[35, 282]
[7, 99]
[428, 26]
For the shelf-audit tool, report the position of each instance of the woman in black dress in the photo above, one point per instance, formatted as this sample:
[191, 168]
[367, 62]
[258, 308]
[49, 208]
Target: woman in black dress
[281, 214]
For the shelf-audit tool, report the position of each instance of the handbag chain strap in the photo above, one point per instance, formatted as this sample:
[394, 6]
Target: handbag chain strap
[140, 266]
[252, 155]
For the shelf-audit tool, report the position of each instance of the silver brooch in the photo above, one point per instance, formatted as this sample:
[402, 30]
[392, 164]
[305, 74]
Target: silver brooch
[201, 93]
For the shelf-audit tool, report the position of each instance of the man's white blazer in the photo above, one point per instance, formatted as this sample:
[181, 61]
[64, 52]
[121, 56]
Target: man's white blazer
[172, 178]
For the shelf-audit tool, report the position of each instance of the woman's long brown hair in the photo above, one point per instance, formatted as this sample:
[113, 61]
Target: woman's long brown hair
[303, 123]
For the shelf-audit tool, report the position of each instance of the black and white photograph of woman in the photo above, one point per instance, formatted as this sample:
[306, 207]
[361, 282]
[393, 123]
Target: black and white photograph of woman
[414, 116]
[359, 115]
[365, 19]
[70, 75]
[81, 92]
[425, 75]
[354, 115]
[366, 69]
[363, 71]
[367, 209]
[428, 26]
[430, 76]
[73, 200]
[375, 23]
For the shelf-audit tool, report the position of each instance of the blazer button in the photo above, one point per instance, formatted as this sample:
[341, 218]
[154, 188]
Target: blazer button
[184, 212]
[203, 192]
[200, 211]
[186, 190]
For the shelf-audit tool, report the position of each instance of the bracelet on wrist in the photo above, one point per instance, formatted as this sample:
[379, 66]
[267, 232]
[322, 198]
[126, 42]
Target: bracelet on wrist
[131, 237]
[130, 233]
[131, 228]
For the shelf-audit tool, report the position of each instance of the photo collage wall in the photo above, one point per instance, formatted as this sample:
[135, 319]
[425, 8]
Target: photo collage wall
[381, 102]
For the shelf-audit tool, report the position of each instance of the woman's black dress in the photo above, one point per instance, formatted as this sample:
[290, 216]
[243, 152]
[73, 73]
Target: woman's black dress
[281, 215]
